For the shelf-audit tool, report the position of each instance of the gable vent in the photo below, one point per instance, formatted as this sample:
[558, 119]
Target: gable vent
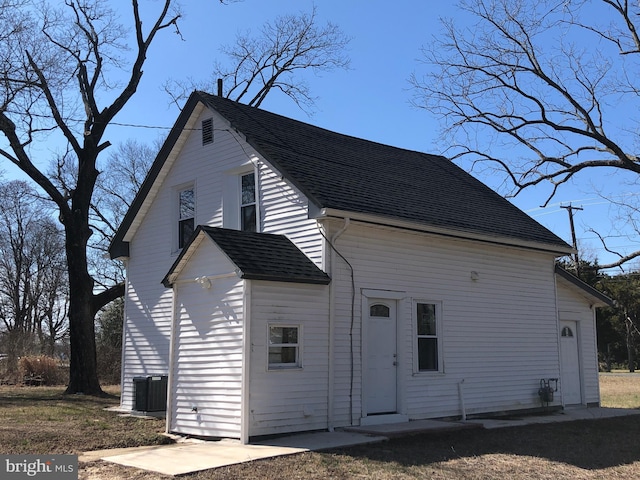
[207, 131]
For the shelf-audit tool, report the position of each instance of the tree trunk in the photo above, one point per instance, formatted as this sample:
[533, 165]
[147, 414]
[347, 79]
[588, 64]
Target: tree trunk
[631, 353]
[83, 370]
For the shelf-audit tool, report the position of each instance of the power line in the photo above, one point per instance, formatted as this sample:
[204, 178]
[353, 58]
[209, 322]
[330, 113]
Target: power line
[117, 124]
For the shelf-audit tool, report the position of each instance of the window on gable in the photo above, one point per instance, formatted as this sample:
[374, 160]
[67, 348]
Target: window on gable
[248, 208]
[428, 336]
[186, 218]
[207, 131]
[284, 346]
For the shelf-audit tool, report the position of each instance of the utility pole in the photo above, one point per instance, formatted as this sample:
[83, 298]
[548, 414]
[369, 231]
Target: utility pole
[570, 208]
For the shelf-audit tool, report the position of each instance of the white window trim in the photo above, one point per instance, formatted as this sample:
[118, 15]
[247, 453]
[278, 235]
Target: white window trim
[278, 367]
[439, 336]
[256, 199]
[175, 249]
[232, 195]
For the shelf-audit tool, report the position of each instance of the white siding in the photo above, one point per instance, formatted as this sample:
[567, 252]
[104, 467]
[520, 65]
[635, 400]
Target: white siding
[284, 211]
[575, 307]
[289, 400]
[208, 348]
[153, 243]
[499, 333]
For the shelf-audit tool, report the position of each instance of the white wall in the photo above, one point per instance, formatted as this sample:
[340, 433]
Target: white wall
[575, 307]
[153, 243]
[498, 333]
[208, 348]
[290, 399]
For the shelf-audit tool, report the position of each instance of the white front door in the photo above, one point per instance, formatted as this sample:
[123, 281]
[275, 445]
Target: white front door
[381, 381]
[570, 363]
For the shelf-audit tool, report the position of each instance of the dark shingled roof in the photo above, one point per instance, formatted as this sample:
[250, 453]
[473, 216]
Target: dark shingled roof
[351, 174]
[259, 256]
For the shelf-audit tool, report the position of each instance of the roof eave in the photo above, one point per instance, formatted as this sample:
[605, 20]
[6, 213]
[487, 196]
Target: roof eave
[292, 279]
[556, 249]
[601, 300]
[119, 246]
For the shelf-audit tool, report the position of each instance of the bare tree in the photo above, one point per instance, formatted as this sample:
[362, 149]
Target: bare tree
[33, 282]
[273, 60]
[127, 167]
[61, 73]
[535, 89]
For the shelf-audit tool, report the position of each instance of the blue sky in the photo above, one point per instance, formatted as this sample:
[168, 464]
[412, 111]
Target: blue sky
[371, 101]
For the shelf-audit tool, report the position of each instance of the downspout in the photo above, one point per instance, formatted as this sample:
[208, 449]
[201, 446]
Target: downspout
[170, 373]
[332, 325]
[595, 346]
[558, 339]
[246, 347]
[123, 339]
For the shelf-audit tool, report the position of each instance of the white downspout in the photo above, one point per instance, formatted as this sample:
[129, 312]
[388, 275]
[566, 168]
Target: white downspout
[463, 409]
[332, 326]
[558, 339]
[246, 362]
[172, 343]
[123, 340]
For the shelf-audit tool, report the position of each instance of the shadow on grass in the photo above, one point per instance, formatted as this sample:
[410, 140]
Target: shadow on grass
[587, 444]
[28, 395]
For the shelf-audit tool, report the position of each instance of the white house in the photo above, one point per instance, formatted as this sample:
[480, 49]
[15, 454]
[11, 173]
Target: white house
[289, 278]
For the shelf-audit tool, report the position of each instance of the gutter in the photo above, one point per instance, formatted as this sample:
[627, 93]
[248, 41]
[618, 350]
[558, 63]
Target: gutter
[558, 249]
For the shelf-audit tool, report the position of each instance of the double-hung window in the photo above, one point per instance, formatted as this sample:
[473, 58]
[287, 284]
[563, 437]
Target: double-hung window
[186, 215]
[428, 336]
[284, 346]
[248, 210]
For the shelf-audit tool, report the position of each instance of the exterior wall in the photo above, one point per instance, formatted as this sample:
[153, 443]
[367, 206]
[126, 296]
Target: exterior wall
[572, 306]
[153, 246]
[207, 349]
[289, 400]
[499, 333]
[284, 210]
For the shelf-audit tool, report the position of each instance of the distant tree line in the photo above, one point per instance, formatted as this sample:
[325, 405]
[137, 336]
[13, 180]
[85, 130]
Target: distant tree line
[618, 327]
[33, 280]
[34, 287]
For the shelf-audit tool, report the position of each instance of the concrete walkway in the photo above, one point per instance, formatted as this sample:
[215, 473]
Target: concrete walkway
[192, 455]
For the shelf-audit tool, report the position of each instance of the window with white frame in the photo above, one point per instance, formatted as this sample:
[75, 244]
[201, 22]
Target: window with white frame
[186, 215]
[284, 346]
[248, 208]
[428, 336]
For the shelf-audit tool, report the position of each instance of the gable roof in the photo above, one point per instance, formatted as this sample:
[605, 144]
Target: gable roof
[258, 256]
[587, 290]
[341, 173]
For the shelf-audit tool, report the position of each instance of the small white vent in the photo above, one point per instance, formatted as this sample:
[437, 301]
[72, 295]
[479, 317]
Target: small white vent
[207, 131]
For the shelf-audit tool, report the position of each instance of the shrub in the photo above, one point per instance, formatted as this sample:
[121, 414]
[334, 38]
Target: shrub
[39, 366]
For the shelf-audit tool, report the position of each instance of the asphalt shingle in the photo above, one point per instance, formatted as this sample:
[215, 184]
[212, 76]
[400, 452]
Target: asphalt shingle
[355, 175]
[260, 256]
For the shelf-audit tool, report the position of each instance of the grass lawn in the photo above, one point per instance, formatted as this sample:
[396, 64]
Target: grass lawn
[42, 420]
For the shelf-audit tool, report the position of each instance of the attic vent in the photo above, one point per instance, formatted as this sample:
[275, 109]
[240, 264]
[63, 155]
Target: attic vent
[207, 131]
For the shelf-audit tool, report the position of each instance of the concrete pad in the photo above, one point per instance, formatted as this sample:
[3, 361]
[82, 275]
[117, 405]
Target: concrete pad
[193, 456]
[323, 440]
[413, 427]
[185, 458]
[567, 415]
